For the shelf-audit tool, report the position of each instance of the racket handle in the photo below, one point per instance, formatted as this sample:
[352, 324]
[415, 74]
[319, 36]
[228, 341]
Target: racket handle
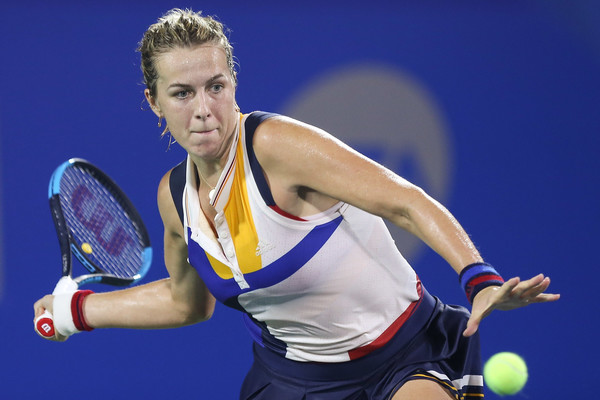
[44, 324]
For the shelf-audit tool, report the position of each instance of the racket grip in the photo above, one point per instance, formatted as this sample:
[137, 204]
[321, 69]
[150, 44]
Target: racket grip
[44, 325]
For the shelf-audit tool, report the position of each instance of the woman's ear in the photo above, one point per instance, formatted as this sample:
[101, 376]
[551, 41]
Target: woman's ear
[153, 104]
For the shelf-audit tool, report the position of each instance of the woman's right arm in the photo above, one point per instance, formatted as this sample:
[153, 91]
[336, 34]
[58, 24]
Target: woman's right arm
[182, 299]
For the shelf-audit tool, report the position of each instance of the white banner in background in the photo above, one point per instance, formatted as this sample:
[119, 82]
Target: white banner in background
[390, 117]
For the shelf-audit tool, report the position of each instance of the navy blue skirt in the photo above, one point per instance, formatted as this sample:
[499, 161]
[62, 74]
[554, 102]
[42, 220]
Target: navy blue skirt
[433, 348]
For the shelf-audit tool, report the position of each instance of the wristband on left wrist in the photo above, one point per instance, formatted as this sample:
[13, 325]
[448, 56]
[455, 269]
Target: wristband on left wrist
[476, 277]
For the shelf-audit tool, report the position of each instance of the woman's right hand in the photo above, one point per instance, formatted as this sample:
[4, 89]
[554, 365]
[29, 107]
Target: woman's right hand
[42, 305]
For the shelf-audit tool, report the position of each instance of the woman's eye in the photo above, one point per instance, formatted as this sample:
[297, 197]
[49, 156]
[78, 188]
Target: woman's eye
[182, 94]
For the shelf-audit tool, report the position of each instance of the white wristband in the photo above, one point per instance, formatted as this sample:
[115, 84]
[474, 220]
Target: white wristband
[63, 316]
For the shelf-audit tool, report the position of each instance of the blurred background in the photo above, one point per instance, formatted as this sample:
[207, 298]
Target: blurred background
[492, 107]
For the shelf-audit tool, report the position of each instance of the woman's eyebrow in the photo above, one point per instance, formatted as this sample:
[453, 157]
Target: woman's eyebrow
[215, 78]
[186, 85]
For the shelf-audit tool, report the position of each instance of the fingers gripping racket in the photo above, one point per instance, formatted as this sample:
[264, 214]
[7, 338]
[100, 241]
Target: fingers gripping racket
[95, 222]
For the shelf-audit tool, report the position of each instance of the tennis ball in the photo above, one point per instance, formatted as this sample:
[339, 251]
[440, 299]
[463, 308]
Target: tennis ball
[86, 248]
[505, 373]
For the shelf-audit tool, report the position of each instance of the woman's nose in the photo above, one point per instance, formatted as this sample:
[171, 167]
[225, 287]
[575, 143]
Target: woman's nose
[202, 106]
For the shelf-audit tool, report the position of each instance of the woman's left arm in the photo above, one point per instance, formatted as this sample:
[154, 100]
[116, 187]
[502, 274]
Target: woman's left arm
[296, 155]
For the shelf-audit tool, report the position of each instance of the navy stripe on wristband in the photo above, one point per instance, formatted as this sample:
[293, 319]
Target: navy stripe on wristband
[476, 277]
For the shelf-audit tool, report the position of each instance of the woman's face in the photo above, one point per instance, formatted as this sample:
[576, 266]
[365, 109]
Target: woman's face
[195, 93]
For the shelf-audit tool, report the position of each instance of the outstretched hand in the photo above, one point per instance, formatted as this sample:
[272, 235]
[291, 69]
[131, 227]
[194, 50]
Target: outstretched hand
[512, 294]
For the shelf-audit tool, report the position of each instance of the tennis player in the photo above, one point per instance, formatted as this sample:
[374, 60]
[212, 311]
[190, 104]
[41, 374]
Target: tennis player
[282, 221]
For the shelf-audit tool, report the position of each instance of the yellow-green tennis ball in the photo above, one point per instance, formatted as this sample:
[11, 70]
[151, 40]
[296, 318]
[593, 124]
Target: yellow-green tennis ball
[86, 248]
[505, 373]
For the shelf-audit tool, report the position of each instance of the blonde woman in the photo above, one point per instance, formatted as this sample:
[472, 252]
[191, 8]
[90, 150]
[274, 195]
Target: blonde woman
[282, 221]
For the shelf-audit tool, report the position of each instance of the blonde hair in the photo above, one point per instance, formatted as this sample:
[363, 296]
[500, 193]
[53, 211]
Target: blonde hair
[180, 28]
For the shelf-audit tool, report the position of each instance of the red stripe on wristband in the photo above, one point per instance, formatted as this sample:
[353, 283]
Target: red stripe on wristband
[77, 310]
[478, 276]
[480, 279]
[477, 284]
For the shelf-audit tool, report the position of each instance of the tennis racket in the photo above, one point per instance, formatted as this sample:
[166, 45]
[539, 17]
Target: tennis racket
[98, 224]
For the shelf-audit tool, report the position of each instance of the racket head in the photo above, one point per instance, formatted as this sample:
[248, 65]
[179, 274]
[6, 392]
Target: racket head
[97, 223]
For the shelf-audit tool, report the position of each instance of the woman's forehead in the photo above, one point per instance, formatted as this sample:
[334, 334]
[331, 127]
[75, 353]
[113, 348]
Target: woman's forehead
[206, 58]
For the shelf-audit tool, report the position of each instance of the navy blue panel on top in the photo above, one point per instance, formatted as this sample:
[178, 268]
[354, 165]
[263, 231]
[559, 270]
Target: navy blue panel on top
[260, 333]
[177, 184]
[252, 122]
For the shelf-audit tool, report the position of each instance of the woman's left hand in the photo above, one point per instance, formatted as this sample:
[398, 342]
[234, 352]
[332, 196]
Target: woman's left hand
[512, 294]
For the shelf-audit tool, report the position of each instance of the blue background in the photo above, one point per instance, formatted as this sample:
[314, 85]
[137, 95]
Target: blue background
[518, 85]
